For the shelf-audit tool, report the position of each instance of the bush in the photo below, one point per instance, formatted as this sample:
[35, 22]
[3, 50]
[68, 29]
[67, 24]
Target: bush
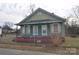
[57, 40]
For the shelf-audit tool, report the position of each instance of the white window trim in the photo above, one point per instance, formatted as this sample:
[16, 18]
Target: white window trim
[23, 30]
[35, 30]
[55, 28]
[43, 28]
[59, 28]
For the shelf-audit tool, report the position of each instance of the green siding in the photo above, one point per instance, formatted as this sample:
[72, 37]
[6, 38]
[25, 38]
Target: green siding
[62, 29]
[48, 29]
[25, 29]
[31, 30]
[40, 17]
[39, 29]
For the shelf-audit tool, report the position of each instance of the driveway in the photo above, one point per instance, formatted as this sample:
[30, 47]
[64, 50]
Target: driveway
[4, 51]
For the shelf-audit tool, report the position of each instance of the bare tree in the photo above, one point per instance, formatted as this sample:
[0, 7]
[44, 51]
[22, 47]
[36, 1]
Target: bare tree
[75, 11]
[7, 27]
[9, 24]
[74, 17]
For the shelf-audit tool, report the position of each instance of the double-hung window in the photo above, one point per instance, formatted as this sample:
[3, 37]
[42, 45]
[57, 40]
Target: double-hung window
[44, 30]
[55, 28]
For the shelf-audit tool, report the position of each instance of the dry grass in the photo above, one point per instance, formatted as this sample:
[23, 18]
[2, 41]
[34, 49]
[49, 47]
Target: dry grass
[71, 42]
[8, 38]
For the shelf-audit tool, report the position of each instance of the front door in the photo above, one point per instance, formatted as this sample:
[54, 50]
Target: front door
[35, 30]
[28, 29]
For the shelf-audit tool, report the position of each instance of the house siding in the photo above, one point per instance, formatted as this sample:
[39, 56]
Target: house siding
[48, 29]
[63, 29]
[37, 16]
[43, 17]
[31, 31]
[39, 30]
[59, 28]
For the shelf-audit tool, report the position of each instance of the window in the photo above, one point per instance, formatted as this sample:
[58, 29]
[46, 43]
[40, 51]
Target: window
[35, 30]
[44, 29]
[55, 28]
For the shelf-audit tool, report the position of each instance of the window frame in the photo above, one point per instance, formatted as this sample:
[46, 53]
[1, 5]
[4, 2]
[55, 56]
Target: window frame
[44, 27]
[56, 30]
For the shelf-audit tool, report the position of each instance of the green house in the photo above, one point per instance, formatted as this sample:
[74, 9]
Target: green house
[42, 23]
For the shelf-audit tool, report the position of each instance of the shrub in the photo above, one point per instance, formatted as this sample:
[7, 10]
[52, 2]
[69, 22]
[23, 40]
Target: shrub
[57, 40]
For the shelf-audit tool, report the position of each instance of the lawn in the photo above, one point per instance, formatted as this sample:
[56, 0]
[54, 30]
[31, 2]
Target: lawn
[71, 42]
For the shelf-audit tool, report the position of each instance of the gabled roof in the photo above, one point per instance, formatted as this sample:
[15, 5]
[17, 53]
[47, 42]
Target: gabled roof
[42, 10]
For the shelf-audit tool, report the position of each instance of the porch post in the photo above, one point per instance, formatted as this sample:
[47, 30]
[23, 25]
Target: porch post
[24, 29]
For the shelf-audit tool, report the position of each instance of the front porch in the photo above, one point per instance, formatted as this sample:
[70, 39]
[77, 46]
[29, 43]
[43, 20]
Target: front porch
[34, 33]
[35, 30]
[41, 29]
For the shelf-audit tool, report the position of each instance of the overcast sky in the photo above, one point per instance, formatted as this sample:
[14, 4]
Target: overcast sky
[15, 10]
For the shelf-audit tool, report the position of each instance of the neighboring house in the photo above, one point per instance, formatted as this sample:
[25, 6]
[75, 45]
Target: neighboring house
[7, 29]
[42, 23]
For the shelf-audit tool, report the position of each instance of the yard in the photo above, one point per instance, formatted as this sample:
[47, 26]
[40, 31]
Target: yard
[69, 41]
[6, 42]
